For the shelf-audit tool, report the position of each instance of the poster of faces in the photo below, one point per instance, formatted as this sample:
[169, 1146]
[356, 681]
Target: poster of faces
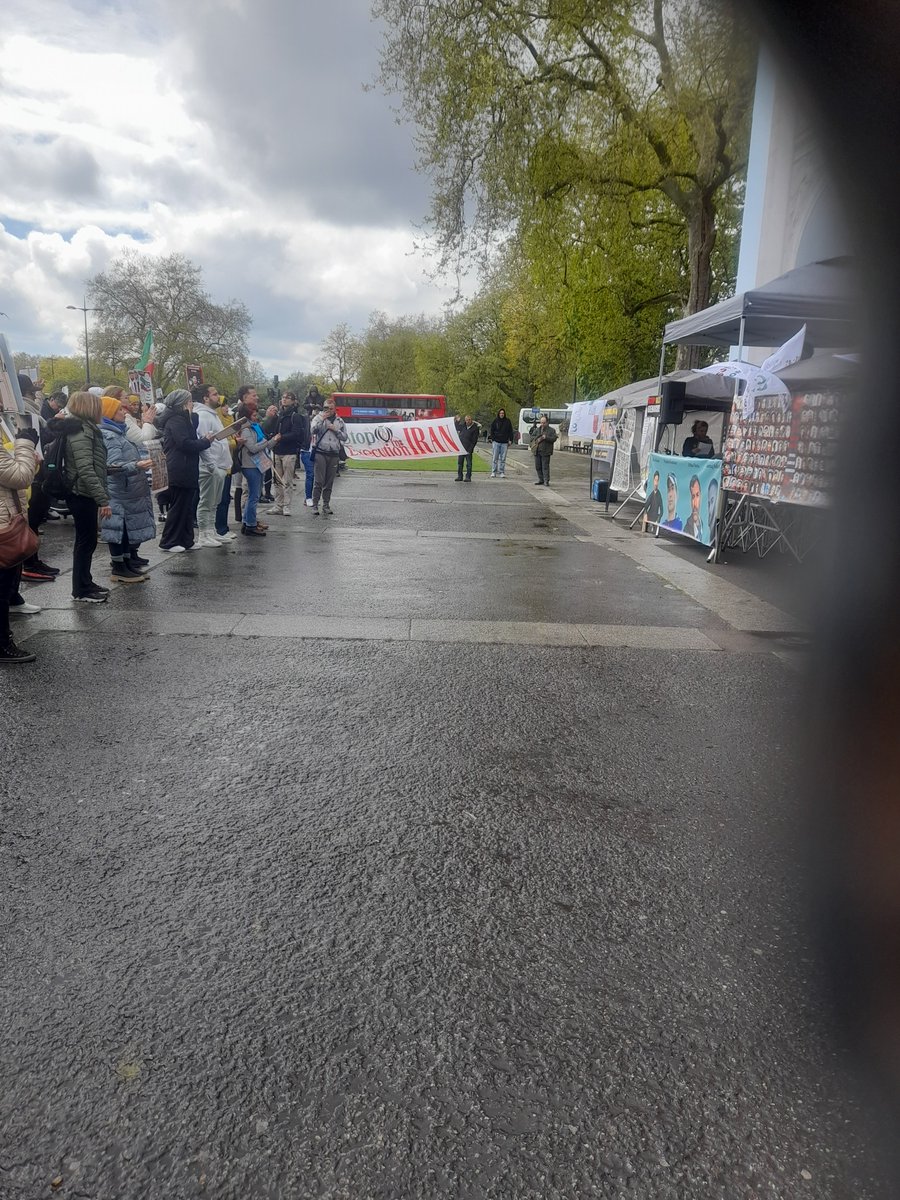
[784, 452]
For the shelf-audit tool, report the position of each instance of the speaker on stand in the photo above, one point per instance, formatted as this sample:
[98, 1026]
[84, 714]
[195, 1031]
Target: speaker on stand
[671, 406]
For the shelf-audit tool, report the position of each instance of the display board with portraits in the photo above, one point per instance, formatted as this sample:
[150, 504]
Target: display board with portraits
[784, 452]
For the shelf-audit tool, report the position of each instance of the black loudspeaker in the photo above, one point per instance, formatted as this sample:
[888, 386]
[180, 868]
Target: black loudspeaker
[671, 403]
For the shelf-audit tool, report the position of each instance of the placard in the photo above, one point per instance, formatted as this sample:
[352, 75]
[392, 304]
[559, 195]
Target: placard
[603, 449]
[682, 494]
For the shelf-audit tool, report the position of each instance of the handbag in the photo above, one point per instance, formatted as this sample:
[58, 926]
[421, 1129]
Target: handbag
[18, 540]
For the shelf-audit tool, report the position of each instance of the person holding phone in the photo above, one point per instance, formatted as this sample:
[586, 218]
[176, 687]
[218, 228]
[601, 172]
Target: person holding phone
[255, 459]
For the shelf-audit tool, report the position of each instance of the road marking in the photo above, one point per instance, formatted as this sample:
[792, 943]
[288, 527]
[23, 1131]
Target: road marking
[372, 629]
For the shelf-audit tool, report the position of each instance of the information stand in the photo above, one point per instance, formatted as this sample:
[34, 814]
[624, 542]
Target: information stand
[603, 455]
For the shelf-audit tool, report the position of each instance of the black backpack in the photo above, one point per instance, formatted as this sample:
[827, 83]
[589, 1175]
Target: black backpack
[54, 483]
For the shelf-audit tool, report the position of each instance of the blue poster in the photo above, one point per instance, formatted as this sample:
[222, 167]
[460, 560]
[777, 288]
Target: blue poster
[682, 494]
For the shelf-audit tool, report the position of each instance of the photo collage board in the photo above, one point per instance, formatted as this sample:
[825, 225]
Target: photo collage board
[784, 453]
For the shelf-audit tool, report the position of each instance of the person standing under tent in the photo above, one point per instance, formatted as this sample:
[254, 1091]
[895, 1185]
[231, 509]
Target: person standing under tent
[699, 444]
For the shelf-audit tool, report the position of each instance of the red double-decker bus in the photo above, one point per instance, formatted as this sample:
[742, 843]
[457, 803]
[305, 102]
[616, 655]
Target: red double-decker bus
[388, 406]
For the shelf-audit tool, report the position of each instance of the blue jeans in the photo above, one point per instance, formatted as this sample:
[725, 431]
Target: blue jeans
[498, 459]
[254, 479]
[308, 465]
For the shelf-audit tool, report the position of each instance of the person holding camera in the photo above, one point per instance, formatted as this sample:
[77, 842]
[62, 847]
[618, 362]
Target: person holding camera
[328, 436]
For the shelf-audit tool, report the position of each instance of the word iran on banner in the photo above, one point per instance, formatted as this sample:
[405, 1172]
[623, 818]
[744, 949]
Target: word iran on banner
[404, 439]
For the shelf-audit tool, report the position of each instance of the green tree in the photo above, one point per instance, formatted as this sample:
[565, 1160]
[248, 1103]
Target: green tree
[165, 294]
[391, 353]
[575, 104]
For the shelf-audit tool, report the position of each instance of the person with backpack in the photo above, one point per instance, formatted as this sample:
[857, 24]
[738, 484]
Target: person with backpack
[182, 447]
[131, 521]
[77, 463]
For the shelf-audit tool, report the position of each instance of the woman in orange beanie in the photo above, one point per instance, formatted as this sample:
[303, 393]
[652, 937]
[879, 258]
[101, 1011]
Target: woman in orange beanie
[130, 520]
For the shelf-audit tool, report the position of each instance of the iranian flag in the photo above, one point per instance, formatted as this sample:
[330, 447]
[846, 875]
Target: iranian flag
[148, 358]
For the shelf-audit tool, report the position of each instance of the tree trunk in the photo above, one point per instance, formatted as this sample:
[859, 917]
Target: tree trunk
[701, 241]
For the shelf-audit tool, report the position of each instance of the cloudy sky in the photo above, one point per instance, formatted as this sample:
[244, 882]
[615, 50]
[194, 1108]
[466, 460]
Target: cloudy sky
[237, 132]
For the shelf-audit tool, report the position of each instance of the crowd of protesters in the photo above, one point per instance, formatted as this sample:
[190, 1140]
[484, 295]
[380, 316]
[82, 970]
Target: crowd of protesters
[101, 454]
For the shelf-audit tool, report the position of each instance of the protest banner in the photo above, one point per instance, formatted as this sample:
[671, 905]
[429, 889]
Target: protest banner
[682, 494]
[404, 439]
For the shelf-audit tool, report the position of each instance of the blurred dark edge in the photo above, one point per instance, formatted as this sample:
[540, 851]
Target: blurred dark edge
[845, 56]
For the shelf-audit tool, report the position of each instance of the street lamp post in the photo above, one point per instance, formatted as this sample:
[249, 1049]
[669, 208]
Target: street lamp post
[87, 359]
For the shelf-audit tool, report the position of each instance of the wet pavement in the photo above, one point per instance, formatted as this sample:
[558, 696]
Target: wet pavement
[446, 847]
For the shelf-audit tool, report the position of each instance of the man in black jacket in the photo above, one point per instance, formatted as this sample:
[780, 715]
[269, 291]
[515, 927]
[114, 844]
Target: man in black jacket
[293, 425]
[501, 435]
[467, 431]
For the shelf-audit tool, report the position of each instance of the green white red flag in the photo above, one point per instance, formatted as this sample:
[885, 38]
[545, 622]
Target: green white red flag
[148, 357]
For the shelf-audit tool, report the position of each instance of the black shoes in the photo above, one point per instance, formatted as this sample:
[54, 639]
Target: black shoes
[123, 573]
[459, 479]
[135, 562]
[329, 512]
[10, 653]
[97, 595]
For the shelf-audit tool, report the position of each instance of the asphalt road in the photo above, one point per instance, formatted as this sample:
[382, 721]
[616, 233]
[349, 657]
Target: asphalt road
[433, 849]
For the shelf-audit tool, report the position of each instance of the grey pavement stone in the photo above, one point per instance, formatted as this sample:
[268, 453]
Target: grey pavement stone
[334, 628]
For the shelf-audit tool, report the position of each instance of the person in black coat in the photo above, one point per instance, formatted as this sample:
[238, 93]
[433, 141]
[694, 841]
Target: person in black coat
[467, 430]
[182, 448]
[501, 434]
[293, 425]
[699, 444]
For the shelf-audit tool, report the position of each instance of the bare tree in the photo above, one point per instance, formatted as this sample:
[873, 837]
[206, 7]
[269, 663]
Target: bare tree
[165, 294]
[341, 357]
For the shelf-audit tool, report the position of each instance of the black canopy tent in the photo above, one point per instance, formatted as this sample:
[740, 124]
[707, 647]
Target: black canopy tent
[819, 296]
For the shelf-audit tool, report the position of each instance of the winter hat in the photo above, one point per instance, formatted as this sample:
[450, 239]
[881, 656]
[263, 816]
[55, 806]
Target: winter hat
[95, 391]
[110, 406]
[177, 399]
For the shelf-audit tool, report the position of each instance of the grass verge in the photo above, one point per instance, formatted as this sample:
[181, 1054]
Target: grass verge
[446, 465]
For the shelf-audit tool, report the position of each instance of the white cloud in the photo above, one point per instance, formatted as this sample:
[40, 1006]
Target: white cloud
[242, 139]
